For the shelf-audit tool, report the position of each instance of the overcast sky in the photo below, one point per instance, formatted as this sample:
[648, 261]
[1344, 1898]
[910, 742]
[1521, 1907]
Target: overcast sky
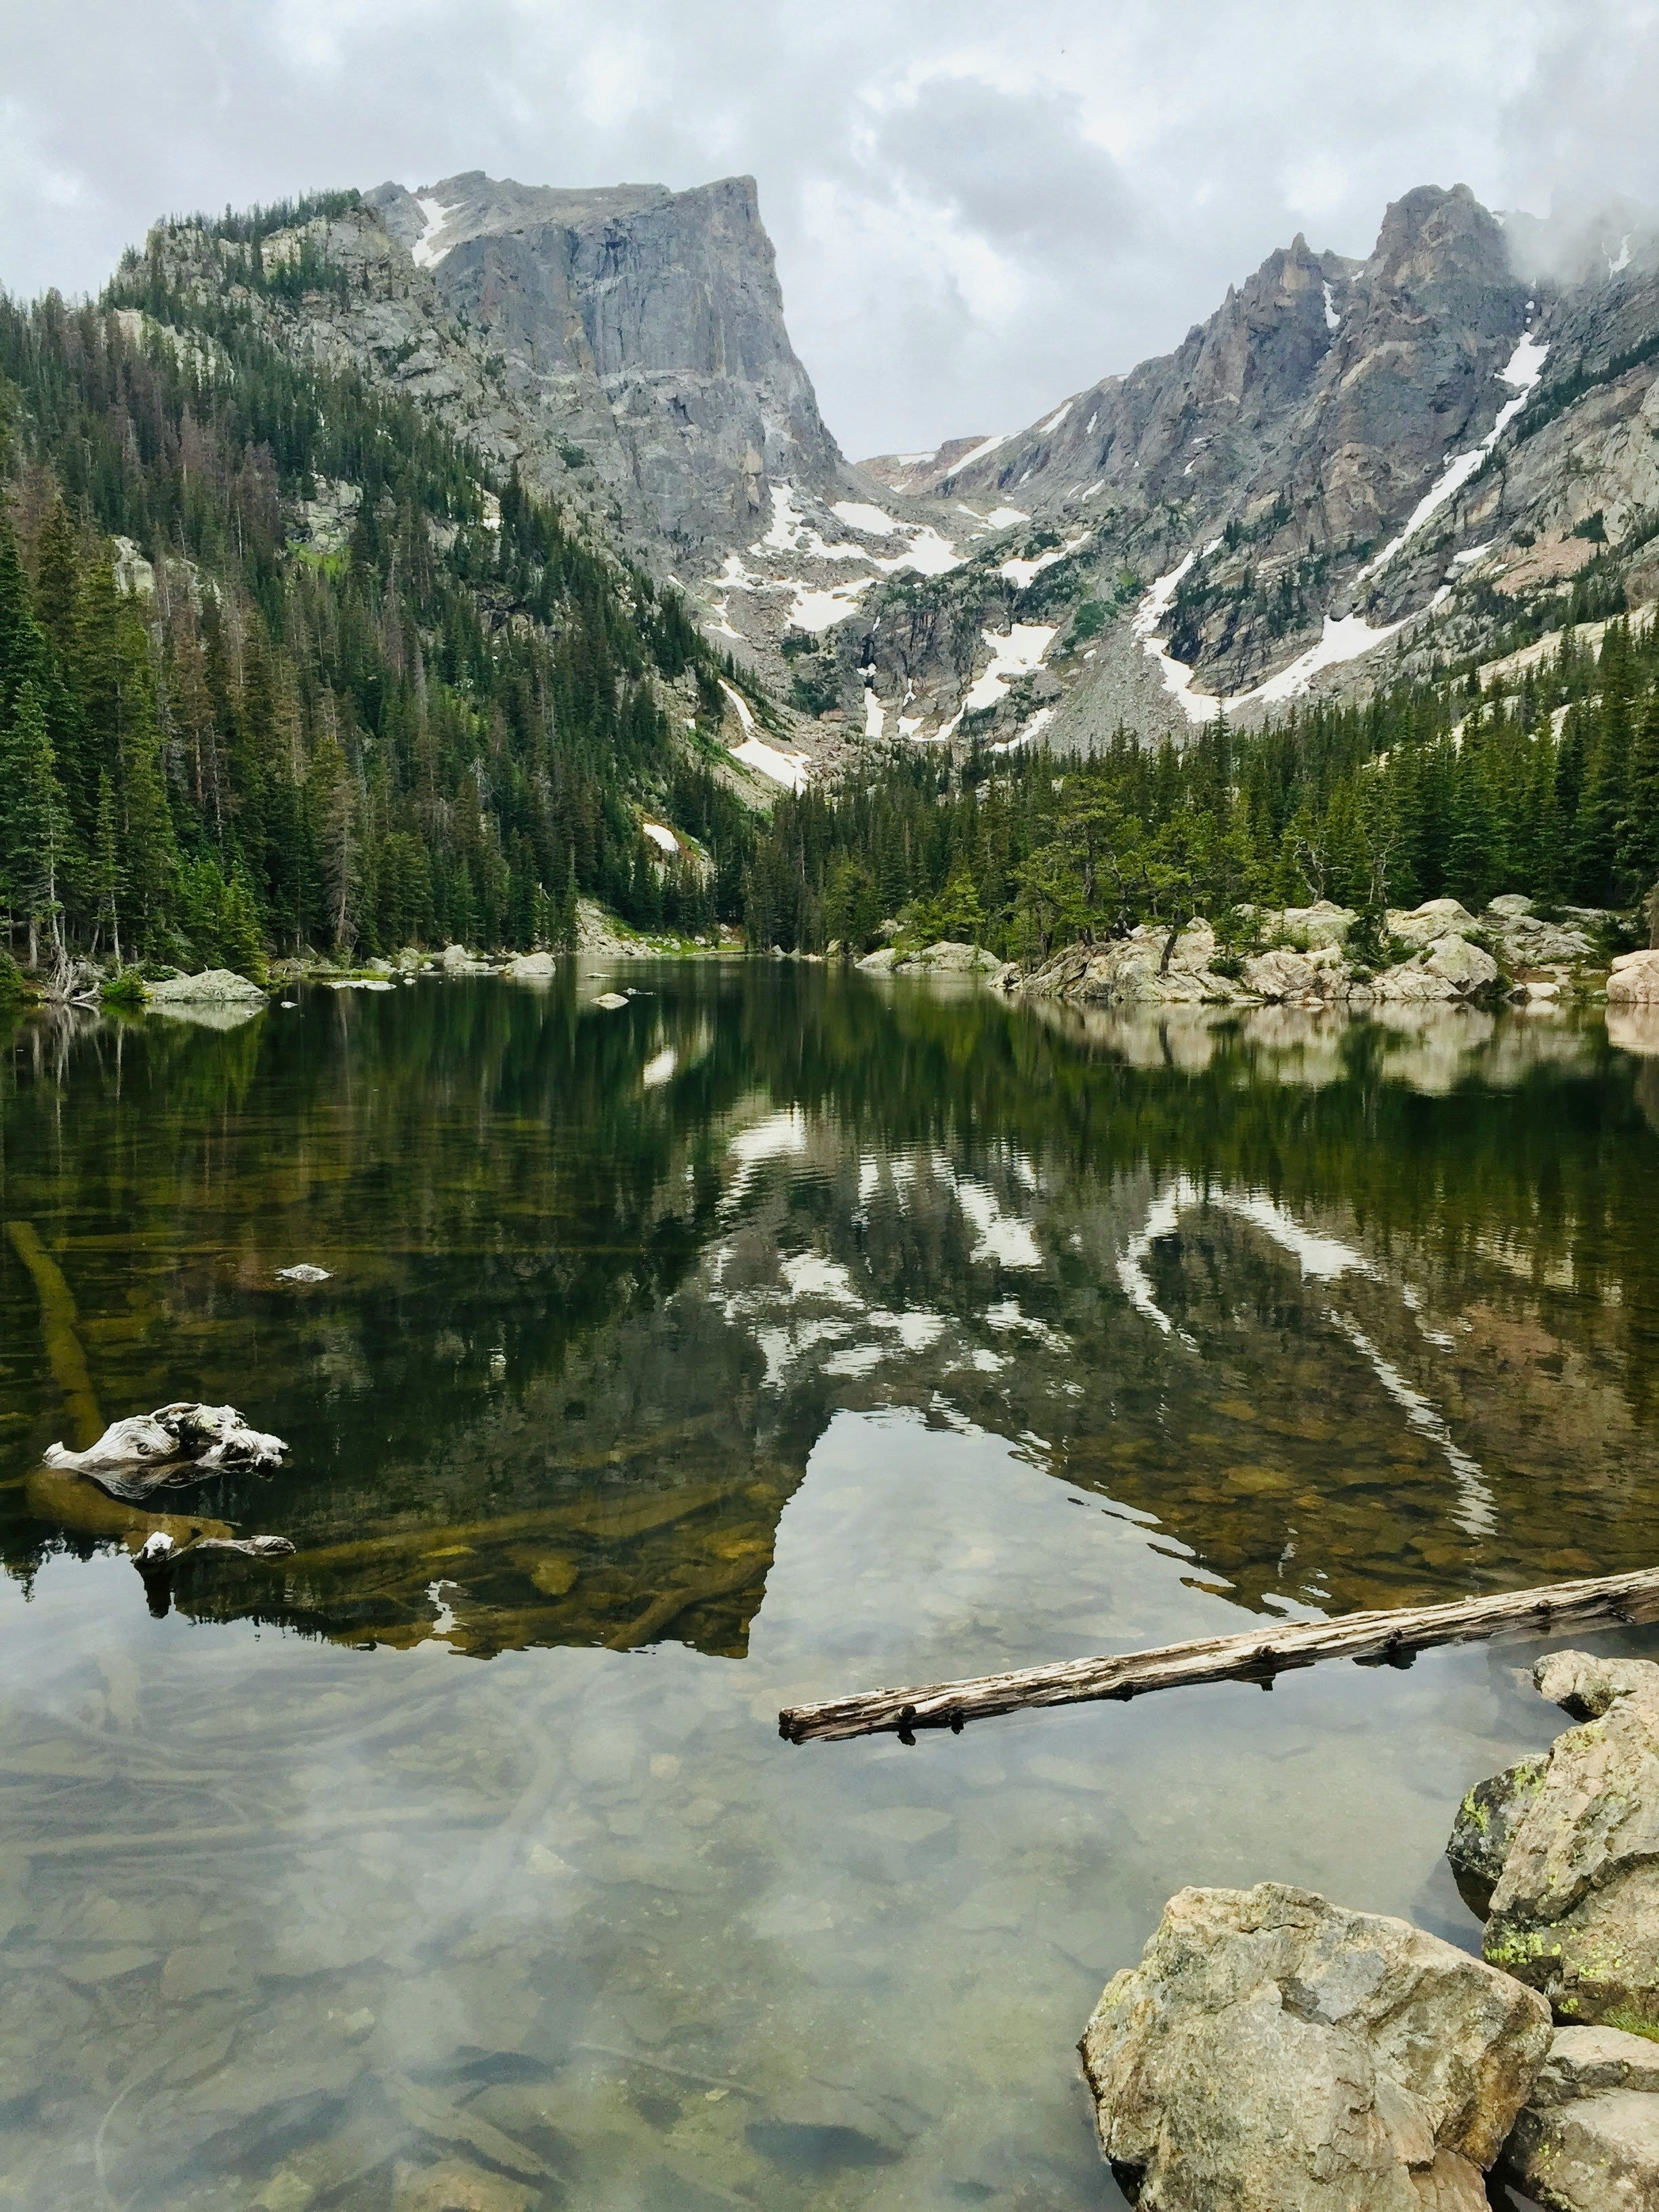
[976, 208]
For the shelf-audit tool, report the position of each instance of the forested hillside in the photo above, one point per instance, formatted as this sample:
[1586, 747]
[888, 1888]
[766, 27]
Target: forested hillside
[443, 726]
[1549, 789]
[281, 667]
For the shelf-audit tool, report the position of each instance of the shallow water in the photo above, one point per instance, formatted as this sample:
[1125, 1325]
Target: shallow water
[778, 1335]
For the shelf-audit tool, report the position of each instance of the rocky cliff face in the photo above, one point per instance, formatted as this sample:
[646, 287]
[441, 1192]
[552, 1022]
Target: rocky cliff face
[625, 347]
[641, 326]
[1299, 427]
[1352, 467]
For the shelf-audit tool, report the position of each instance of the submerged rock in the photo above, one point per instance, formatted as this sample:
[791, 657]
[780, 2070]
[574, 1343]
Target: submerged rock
[1274, 2053]
[174, 1444]
[1588, 2137]
[1574, 1904]
[456, 2186]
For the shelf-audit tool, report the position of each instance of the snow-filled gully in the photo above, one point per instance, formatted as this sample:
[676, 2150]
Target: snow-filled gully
[1350, 636]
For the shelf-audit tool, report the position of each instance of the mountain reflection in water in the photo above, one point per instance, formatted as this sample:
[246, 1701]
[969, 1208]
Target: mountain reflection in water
[798, 1334]
[1332, 1304]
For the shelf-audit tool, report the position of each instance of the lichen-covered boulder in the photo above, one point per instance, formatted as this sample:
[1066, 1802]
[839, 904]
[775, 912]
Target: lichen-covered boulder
[1484, 1829]
[214, 987]
[1588, 2137]
[1274, 2053]
[1433, 920]
[1324, 924]
[1574, 1908]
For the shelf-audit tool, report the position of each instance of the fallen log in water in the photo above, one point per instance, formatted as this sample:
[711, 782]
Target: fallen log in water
[1380, 1638]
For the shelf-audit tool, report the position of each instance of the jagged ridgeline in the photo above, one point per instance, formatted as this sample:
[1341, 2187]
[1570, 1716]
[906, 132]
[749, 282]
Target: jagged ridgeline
[1549, 788]
[281, 664]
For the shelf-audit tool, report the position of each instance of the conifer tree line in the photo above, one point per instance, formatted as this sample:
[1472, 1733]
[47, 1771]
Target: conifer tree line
[1429, 791]
[446, 729]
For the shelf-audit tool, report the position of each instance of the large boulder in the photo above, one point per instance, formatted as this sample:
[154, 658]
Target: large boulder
[1588, 2137]
[1428, 923]
[1319, 926]
[214, 987]
[1574, 1907]
[1297, 978]
[1274, 2053]
[1133, 970]
[1449, 968]
[1635, 980]
[1527, 941]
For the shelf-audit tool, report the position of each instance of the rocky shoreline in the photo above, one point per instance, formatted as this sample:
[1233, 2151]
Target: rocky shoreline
[1314, 956]
[1275, 2053]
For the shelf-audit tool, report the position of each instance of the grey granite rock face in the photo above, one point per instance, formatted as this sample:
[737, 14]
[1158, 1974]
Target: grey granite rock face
[1272, 2052]
[624, 348]
[641, 326]
[1574, 1905]
[1310, 411]
[1588, 2138]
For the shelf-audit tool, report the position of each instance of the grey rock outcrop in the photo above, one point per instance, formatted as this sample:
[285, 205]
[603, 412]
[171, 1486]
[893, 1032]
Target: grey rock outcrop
[1588, 2137]
[1634, 981]
[644, 326]
[1451, 968]
[624, 348]
[1143, 969]
[214, 987]
[1572, 1852]
[1272, 2052]
[949, 956]
[1283, 977]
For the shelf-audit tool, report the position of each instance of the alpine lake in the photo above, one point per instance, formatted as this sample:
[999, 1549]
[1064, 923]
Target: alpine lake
[780, 1334]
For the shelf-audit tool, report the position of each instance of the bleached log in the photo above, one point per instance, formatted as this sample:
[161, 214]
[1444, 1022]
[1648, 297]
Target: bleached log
[1387, 1637]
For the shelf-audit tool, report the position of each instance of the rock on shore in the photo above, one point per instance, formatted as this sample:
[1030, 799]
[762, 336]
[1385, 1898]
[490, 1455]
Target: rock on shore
[1588, 2137]
[1570, 1844]
[948, 958]
[1274, 2053]
[1635, 980]
[214, 987]
[1439, 953]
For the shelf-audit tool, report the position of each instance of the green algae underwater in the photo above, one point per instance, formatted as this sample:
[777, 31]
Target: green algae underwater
[778, 1334]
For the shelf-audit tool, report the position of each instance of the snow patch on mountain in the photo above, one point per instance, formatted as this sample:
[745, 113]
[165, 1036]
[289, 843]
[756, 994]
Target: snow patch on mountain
[1521, 372]
[426, 252]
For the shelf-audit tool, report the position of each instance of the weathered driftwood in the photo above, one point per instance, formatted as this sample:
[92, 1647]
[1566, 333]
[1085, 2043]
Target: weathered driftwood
[177, 1443]
[1380, 1639]
[160, 1555]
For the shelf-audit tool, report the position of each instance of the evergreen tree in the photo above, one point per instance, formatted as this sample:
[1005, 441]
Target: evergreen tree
[33, 820]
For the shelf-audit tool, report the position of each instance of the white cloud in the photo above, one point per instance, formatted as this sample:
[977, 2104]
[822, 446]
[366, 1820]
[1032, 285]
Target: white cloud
[976, 209]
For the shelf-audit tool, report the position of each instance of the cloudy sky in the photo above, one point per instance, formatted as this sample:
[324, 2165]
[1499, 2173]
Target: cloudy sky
[976, 208]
